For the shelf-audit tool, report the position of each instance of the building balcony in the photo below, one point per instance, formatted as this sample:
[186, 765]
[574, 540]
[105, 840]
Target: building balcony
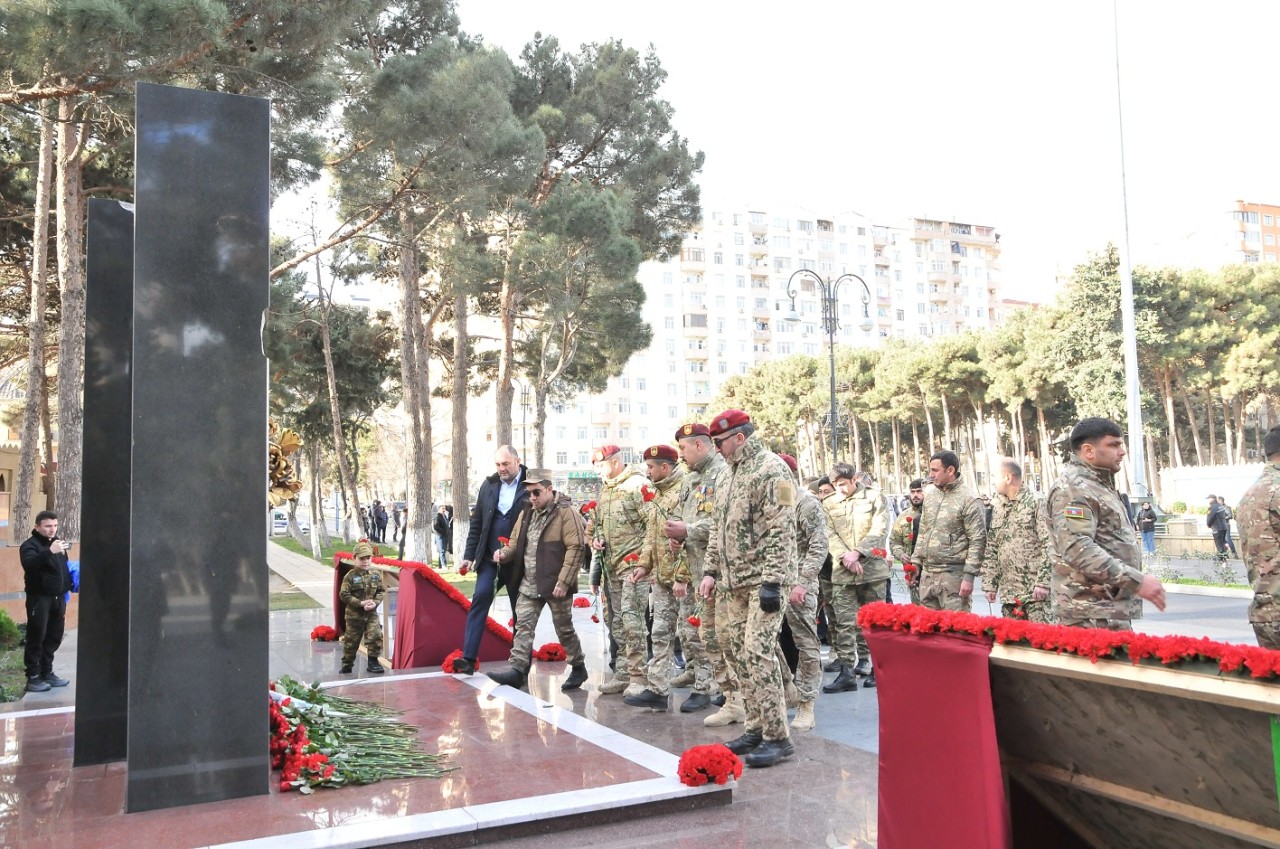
[761, 334]
[938, 276]
[697, 353]
[882, 259]
[942, 296]
[879, 238]
[758, 227]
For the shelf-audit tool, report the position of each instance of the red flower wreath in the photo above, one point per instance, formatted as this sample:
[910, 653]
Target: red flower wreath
[581, 601]
[447, 666]
[324, 634]
[550, 653]
[704, 764]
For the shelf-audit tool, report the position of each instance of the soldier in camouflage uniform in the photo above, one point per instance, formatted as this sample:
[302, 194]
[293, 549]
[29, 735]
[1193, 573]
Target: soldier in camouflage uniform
[857, 520]
[1093, 547]
[750, 557]
[1016, 564]
[360, 593]
[689, 526]
[668, 569]
[902, 538]
[951, 539]
[619, 537]
[802, 609]
[1259, 519]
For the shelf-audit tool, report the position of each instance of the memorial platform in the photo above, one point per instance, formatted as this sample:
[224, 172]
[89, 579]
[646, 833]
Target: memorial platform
[523, 766]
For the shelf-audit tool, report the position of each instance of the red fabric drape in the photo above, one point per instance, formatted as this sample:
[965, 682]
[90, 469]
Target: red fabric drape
[940, 780]
[429, 625]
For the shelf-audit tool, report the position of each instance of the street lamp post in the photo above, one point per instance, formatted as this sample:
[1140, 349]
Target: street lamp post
[830, 291]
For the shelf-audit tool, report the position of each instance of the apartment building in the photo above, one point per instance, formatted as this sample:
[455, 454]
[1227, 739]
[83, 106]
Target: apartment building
[1255, 231]
[721, 307]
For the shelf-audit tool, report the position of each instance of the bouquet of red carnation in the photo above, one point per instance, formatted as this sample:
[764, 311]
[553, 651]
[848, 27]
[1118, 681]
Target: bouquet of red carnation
[550, 653]
[1019, 612]
[447, 666]
[704, 764]
[587, 507]
[878, 552]
[504, 541]
[324, 634]
[581, 601]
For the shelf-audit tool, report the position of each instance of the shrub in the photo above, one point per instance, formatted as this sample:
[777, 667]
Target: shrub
[9, 634]
[1178, 507]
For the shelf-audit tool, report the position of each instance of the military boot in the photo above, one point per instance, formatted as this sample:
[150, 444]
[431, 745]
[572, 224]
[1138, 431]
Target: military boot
[833, 665]
[614, 686]
[375, 667]
[769, 752]
[577, 677]
[869, 683]
[733, 711]
[791, 694]
[744, 742]
[684, 679]
[863, 668]
[844, 682]
[511, 677]
[804, 719]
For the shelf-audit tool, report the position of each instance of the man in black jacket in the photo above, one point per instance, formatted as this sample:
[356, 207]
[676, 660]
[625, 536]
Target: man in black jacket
[47, 580]
[497, 507]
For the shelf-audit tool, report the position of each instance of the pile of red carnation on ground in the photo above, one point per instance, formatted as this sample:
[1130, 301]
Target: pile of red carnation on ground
[324, 634]
[1093, 643]
[708, 764]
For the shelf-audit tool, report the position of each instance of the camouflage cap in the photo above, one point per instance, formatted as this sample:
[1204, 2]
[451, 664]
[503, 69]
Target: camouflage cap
[662, 452]
[363, 549]
[537, 476]
[727, 421]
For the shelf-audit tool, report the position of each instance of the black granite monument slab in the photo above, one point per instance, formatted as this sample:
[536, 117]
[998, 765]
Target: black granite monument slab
[197, 727]
[102, 659]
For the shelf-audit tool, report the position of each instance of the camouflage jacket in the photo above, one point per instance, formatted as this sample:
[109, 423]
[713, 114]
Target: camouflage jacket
[1017, 558]
[359, 586]
[753, 535]
[953, 530]
[902, 539]
[857, 523]
[812, 545]
[620, 520]
[697, 502]
[1093, 547]
[656, 557]
[1259, 519]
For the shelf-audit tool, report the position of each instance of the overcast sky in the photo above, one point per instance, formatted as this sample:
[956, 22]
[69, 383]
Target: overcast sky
[1001, 113]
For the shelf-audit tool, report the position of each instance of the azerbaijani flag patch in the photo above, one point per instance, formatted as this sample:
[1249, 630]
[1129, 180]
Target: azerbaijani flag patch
[1074, 512]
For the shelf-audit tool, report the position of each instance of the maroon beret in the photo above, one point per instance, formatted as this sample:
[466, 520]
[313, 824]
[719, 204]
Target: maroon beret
[662, 452]
[789, 460]
[604, 452]
[728, 420]
[692, 430]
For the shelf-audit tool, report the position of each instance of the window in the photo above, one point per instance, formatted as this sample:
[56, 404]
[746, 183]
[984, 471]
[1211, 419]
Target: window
[919, 288]
[781, 242]
[672, 389]
[844, 248]
[717, 258]
[669, 301]
[695, 320]
[862, 231]
[582, 433]
[722, 367]
[920, 308]
[694, 255]
[601, 432]
[624, 432]
[806, 246]
[668, 278]
[1269, 238]
[742, 304]
[739, 260]
[804, 226]
[695, 298]
[737, 238]
[673, 412]
[740, 281]
[782, 223]
[757, 218]
[719, 302]
[643, 409]
[762, 304]
[582, 458]
[1268, 220]
[669, 323]
[862, 250]
[1247, 217]
[562, 458]
[901, 315]
[671, 346]
[624, 406]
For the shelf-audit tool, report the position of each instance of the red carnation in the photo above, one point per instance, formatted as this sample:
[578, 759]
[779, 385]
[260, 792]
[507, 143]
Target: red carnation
[878, 552]
[550, 653]
[704, 764]
[647, 493]
[694, 621]
[581, 601]
[595, 618]
[511, 621]
[456, 654]
[464, 569]
[631, 558]
[504, 540]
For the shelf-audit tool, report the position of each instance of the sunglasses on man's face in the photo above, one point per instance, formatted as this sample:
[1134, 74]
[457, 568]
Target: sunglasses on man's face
[720, 441]
[536, 492]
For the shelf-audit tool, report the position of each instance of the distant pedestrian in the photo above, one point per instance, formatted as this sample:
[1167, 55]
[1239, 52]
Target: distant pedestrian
[443, 527]
[379, 522]
[1222, 502]
[1219, 526]
[47, 580]
[1147, 527]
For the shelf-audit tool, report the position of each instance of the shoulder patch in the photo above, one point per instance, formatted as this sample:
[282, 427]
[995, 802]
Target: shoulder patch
[786, 492]
[1073, 511]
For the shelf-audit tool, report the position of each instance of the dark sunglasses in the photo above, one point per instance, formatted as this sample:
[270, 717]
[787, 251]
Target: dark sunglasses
[536, 491]
[721, 440]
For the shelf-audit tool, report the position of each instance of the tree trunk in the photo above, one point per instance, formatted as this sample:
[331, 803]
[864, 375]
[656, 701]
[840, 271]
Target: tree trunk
[413, 361]
[1166, 395]
[1191, 422]
[540, 424]
[351, 498]
[897, 455]
[1048, 465]
[875, 447]
[1213, 436]
[971, 456]
[461, 485]
[1228, 438]
[946, 422]
[1153, 470]
[20, 520]
[928, 418]
[1240, 429]
[71, 208]
[319, 532]
[857, 440]
[48, 480]
[915, 446]
[504, 389]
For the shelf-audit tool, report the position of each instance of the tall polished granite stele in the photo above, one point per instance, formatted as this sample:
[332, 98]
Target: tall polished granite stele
[196, 579]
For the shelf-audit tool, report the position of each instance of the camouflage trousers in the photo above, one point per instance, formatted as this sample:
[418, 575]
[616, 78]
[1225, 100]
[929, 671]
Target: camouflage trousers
[628, 604]
[940, 590]
[846, 601]
[1036, 611]
[528, 610]
[361, 626]
[825, 591]
[803, 620]
[751, 638]
[1264, 616]
[671, 618]
[1094, 622]
[714, 641]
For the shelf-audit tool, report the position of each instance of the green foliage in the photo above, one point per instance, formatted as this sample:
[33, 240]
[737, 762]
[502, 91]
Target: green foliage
[1178, 507]
[9, 633]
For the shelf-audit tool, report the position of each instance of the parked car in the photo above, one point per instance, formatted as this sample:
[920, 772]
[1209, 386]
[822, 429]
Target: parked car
[280, 523]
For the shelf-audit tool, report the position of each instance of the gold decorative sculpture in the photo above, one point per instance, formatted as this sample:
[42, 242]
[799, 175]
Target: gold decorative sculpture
[282, 482]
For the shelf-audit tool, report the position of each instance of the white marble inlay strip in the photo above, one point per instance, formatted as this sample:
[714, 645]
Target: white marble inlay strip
[23, 714]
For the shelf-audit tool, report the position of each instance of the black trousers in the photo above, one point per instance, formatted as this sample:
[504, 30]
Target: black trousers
[46, 619]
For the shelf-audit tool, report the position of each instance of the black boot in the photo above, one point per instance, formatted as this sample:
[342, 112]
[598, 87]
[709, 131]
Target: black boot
[346, 667]
[375, 667]
[647, 699]
[577, 677]
[695, 702]
[844, 682]
[511, 677]
[464, 666]
[833, 665]
[769, 753]
[869, 683]
[863, 668]
[745, 743]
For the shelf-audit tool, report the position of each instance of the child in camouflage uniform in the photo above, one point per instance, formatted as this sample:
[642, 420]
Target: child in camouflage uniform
[360, 594]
